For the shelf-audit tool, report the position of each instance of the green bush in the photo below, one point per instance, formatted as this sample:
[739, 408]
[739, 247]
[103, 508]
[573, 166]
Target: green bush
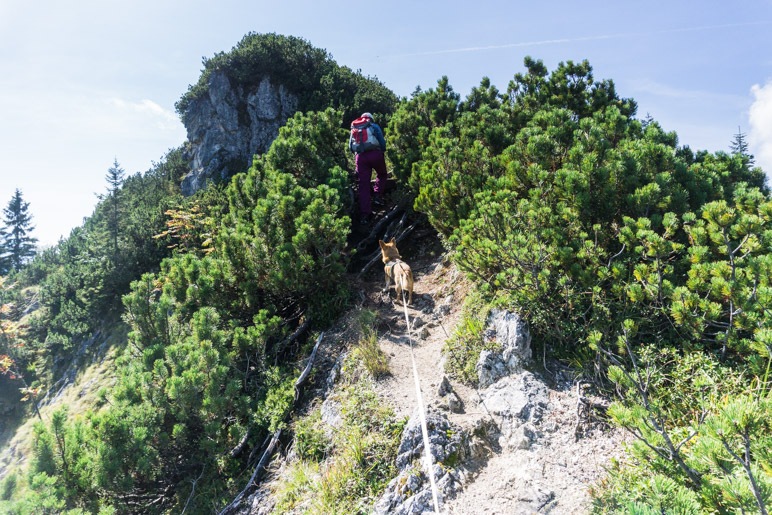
[8, 486]
[608, 238]
[465, 344]
[702, 438]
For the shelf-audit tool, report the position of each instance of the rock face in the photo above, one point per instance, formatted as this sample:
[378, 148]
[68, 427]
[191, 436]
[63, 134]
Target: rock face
[410, 492]
[517, 403]
[513, 349]
[231, 123]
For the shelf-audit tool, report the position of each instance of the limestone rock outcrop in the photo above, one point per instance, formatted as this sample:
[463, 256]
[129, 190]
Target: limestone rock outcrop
[410, 492]
[513, 347]
[231, 123]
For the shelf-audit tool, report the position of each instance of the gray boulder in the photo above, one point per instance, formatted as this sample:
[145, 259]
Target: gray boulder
[517, 404]
[513, 348]
[410, 492]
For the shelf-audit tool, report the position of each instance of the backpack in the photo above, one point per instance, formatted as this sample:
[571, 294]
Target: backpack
[363, 136]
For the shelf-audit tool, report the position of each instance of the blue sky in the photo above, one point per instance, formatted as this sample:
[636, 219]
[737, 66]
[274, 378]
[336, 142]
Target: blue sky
[87, 82]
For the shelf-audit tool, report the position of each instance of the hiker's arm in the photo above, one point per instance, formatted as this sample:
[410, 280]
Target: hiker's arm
[379, 136]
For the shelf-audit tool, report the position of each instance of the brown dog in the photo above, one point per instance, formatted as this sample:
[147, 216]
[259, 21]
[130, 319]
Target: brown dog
[396, 270]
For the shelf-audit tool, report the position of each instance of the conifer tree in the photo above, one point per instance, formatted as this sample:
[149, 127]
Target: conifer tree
[115, 177]
[16, 244]
[739, 146]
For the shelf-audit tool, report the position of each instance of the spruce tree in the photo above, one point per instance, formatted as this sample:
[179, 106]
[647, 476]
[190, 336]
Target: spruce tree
[16, 245]
[114, 177]
[739, 146]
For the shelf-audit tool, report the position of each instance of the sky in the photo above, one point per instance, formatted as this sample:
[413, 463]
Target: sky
[88, 82]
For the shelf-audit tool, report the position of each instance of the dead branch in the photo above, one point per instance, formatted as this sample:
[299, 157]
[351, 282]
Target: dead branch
[255, 474]
[293, 337]
[275, 439]
[383, 222]
[241, 445]
[193, 490]
[307, 371]
[252, 454]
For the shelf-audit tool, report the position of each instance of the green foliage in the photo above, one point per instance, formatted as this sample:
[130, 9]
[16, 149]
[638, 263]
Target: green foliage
[649, 495]
[287, 220]
[345, 471]
[7, 486]
[278, 400]
[62, 463]
[728, 276]
[464, 346]
[413, 121]
[702, 438]
[17, 245]
[309, 148]
[306, 71]
[113, 200]
[43, 497]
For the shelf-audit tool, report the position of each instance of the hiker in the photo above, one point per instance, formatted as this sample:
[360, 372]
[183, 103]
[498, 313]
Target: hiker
[367, 142]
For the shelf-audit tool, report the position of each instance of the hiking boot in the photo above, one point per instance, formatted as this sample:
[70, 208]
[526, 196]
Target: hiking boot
[377, 201]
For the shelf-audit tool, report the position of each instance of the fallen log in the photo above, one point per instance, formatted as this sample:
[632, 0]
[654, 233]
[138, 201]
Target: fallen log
[307, 371]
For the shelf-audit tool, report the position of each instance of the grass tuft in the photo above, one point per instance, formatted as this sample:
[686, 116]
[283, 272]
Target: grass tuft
[464, 346]
[368, 350]
[358, 458]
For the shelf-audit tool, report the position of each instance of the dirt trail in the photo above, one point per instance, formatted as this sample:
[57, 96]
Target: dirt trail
[567, 456]
[433, 316]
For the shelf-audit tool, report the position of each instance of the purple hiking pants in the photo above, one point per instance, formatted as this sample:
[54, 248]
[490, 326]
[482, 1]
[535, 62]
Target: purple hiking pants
[365, 163]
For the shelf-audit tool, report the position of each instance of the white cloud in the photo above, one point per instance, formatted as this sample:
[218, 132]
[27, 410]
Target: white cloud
[149, 110]
[60, 143]
[702, 97]
[760, 133]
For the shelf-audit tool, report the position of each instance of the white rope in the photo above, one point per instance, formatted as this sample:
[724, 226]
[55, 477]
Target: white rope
[424, 430]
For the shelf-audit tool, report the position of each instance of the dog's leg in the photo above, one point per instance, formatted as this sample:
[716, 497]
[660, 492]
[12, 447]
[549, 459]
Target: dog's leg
[388, 279]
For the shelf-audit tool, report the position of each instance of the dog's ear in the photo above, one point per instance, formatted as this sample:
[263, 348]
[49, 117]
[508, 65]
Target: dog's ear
[393, 241]
[380, 242]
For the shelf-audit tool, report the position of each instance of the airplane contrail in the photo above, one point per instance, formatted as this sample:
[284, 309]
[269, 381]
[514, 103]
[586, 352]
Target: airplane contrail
[577, 40]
